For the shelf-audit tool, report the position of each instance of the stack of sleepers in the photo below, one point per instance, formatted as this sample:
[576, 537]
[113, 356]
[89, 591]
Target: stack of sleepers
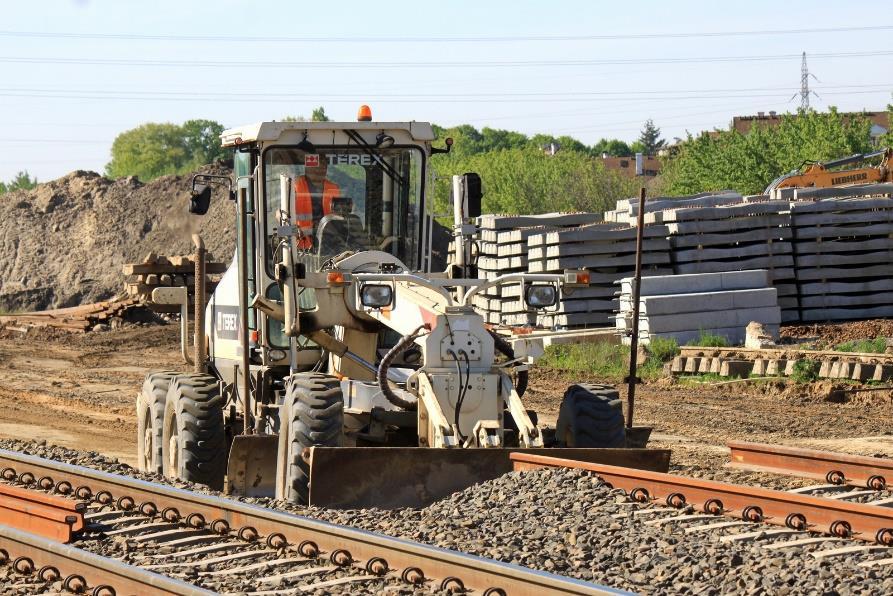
[502, 244]
[750, 235]
[685, 307]
[627, 210]
[843, 249]
[608, 252]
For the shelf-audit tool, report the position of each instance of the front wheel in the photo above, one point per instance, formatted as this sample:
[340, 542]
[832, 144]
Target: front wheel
[591, 416]
[150, 420]
[194, 437]
[312, 416]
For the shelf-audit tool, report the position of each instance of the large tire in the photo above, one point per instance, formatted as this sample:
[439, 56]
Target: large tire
[591, 416]
[150, 420]
[312, 416]
[194, 437]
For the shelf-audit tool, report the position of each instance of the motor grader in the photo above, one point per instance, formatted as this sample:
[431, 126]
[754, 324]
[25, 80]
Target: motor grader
[332, 365]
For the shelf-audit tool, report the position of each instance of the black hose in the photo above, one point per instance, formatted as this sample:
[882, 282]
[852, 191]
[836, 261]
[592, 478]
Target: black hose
[506, 349]
[382, 376]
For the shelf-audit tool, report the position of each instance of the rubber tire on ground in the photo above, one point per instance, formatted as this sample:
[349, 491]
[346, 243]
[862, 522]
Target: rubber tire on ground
[591, 416]
[150, 419]
[311, 416]
[193, 418]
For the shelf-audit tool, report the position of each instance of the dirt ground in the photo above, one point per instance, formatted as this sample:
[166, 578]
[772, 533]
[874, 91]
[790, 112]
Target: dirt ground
[78, 391]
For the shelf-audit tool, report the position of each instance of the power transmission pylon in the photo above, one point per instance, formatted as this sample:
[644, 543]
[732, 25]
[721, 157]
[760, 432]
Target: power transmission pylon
[804, 85]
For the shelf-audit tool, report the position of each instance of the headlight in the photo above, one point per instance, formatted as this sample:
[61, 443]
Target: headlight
[540, 296]
[277, 355]
[376, 295]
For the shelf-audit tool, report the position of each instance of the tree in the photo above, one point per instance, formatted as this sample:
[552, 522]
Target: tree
[748, 163]
[613, 147]
[650, 138]
[158, 149]
[22, 181]
[319, 115]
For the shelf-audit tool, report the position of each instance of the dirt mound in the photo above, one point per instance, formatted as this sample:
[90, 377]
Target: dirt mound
[63, 243]
[828, 335]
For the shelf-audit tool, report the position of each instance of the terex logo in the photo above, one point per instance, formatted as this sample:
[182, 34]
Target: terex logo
[226, 323]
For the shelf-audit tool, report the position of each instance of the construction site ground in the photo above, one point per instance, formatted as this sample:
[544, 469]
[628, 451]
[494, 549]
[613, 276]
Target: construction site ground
[77, 391]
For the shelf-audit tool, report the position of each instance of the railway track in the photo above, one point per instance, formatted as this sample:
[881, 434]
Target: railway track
[145, 538]
[819, 517]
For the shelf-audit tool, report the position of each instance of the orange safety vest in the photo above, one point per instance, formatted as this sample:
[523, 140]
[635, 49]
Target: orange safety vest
[304, 207]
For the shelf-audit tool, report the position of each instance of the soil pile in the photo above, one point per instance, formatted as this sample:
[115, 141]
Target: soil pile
[64, 242]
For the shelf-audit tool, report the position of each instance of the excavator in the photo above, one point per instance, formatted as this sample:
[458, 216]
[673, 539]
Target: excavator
[821, 175]
[335, 364]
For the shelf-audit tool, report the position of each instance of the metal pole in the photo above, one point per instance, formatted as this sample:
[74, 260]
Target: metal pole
[634, 340]
[243, 308]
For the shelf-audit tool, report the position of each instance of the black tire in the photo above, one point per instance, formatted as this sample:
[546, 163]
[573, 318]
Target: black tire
[591, 416]
[150, 420]
[194, 438]
[312, 416]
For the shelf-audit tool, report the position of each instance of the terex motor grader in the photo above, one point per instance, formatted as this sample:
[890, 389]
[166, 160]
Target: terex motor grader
[331, 365]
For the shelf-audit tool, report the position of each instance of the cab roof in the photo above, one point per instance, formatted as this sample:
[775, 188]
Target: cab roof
[272, 131]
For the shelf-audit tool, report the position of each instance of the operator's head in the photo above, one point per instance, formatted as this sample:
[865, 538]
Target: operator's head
[316, 173]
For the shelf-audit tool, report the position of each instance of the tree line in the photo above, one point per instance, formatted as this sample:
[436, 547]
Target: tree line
[529, 174]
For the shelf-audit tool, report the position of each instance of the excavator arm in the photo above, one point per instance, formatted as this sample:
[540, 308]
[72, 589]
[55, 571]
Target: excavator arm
[823, 175]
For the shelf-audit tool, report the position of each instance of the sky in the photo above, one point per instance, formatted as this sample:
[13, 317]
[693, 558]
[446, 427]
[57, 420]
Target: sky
[75, 73]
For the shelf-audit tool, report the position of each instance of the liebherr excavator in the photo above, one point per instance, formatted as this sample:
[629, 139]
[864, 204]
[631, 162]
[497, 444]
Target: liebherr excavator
[331, 364]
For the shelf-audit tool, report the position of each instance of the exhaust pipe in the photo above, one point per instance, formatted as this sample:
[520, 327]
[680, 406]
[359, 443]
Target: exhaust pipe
[199, 302]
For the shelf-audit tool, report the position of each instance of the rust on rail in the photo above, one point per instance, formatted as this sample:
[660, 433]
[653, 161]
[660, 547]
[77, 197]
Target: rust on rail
[50, 516]
[798, 512]
[835, 468]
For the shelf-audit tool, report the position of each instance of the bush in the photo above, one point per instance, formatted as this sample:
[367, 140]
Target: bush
[805, 371]
[871, 346]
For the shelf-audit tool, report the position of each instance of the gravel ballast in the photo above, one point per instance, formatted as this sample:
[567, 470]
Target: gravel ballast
[567, 522]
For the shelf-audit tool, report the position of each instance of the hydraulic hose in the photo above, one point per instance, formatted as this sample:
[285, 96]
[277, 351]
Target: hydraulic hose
[507, 351]
[382, 376]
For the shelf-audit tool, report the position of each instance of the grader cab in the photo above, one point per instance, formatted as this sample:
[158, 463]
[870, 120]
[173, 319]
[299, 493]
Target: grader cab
[337, 363]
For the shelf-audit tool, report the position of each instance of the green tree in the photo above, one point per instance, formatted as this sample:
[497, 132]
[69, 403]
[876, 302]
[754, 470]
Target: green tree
[650, 138]
[22, 181]
[158, 149]
[613, 147]
[319, 115]
[748, 163]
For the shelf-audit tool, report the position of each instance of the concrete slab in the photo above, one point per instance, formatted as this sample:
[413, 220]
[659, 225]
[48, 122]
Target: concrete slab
[711, 320]
[697, 283]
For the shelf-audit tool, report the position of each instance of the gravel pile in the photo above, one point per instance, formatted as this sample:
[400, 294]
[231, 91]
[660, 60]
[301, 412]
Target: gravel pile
[568, 522]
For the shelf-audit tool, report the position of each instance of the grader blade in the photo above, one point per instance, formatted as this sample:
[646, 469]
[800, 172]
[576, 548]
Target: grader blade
[392, 477]
[251, 468]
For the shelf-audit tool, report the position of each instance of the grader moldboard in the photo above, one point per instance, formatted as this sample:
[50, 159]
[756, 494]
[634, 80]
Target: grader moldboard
[332, 364]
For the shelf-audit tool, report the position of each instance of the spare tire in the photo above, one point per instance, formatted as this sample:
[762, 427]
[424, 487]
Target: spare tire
[150, 419]
[591, 416]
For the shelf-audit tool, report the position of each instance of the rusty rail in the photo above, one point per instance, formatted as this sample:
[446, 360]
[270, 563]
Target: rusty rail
[79, 570]
[798, 512]
[831, 467]
[417, 563]
[50, 516]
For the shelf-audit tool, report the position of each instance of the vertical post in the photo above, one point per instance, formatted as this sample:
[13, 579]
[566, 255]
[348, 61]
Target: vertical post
[199, 302]
[634, 339]
[243, 308]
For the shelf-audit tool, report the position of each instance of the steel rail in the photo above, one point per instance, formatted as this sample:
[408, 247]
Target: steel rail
[416, 563]
[755, 504]
[50, 516]
[79, 569]
[834, 468]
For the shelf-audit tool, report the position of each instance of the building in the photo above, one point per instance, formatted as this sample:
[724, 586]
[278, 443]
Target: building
[880, 121]
[627, 165]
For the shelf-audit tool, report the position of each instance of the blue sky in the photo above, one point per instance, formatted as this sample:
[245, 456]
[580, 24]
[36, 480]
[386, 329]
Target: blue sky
[76, 73]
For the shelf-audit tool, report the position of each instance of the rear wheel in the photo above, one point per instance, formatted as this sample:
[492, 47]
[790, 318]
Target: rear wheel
[150, 419]
[193, 436]
[312, 416]
[591, 416]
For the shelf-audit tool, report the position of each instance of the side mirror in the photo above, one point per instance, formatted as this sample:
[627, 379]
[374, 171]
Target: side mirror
[200, 199]
[473, 194]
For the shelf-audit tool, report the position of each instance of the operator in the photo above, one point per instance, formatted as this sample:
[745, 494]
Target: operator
[314, 196]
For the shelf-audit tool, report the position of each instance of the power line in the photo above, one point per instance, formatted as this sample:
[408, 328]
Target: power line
[436, 39]
[427, 65]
